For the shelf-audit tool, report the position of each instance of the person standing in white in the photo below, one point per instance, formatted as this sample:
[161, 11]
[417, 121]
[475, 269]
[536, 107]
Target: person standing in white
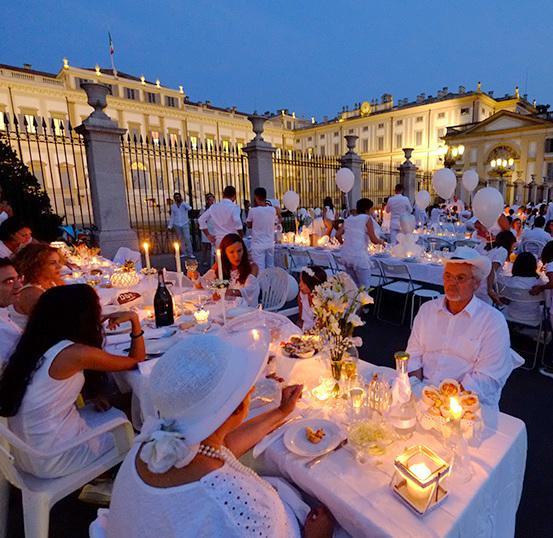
[262, 219]
[397, 205]
[224, 217]
[10, 284]
[180, 222]
[461, 337]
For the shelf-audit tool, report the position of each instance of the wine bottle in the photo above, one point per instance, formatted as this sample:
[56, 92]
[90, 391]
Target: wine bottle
[163, 303]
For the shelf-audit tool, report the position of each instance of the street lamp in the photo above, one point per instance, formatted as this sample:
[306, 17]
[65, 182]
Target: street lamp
[501, 166]
[451, 154]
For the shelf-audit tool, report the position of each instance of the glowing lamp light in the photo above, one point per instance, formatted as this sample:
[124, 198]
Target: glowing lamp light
[461, 149]
[511, 161]
[455, 408]
[493, 163]
[201, 316]
[418, 477]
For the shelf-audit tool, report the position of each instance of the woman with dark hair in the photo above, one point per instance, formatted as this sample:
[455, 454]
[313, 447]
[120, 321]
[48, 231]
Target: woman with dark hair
[40, 267]
[45, 375]
[14, 235]
[549, 227]
[329, 215]
[498, 253]
[358, 231]
[524, 277]
[310, 278]
[237, 269]
[516, 228]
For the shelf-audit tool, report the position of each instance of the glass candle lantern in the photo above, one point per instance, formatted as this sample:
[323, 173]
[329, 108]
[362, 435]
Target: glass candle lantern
[418, 477]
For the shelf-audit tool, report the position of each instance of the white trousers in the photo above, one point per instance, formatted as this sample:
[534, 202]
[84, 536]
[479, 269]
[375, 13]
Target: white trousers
[263, 257]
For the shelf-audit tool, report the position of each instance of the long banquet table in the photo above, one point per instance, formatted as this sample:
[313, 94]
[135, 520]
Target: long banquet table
[359, 496]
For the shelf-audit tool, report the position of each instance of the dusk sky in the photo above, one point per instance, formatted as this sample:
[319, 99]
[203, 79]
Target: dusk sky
[309, 56]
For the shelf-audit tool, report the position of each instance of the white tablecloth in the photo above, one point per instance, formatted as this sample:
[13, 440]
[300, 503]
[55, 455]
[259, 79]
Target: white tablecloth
[360, 498]
[424, 272]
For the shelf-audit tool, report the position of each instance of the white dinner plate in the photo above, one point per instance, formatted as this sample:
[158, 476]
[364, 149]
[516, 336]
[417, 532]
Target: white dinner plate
[296, 441]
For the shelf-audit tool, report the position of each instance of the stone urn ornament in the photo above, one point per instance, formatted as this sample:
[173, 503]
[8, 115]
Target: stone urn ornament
[96, 94]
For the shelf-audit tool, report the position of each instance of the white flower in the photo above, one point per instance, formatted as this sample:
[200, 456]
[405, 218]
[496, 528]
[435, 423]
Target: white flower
[355, 320]
[308, 270]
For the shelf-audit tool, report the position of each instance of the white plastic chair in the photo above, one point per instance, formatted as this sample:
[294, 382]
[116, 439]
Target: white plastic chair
[124, 253]
[402, 284]
[273, 283]
[324, 259]
[298, 259]
[535, 247]
[523, 297]
[420, 294]
[40, 494]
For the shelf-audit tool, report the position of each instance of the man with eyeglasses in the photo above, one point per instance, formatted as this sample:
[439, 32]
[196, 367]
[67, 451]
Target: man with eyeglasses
[10, 284]
[459, 336]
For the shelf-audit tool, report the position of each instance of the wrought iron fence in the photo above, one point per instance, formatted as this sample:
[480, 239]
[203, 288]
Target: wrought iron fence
[378, 181]
[55, 154]
[424, 182]
[157, 168]
[313, 177]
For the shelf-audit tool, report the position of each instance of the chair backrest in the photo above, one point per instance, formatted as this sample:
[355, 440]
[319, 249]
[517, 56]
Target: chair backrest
[273, 282]
[281, 257]
[535, 247]
[464, 243]
[322, 258]
[124, 253]
[298, 259]
[395, 270]
[522, 297]
[7, 460]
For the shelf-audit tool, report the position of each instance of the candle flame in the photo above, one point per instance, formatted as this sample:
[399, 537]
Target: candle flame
[456, 408]
[176, 245]
[146, 245]
[255, 334]
[421, 471]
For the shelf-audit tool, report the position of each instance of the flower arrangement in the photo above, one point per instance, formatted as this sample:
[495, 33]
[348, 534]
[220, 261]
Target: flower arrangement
[335, 306]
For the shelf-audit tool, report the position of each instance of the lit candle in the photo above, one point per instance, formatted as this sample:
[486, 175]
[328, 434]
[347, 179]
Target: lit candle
[177, 257]
[357, 396]
[255, 334]
[147, 255]
[422, 472]
[219, 264]
[77, 274]
[201, 316]
[455, 408]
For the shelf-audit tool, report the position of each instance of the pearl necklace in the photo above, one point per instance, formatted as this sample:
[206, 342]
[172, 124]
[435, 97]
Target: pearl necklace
[224, 454]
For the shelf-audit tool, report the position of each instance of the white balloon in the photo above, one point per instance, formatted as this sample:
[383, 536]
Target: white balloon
[291, 200]
[444, 182]
[470, 180]
[345, 179]
[422, 199]
[487, 205]
[293, 289]
[407, 223]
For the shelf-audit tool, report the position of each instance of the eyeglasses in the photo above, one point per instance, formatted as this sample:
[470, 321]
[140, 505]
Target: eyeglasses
[459, 279]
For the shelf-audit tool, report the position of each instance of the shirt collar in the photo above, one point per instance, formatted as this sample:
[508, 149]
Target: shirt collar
[470, 309]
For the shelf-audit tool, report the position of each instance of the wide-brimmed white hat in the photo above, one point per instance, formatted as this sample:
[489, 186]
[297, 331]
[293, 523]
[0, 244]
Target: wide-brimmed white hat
[194, 388]
[469, 255]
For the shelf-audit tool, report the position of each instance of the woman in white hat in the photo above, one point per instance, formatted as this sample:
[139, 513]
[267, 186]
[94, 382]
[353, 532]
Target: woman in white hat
[182, 478]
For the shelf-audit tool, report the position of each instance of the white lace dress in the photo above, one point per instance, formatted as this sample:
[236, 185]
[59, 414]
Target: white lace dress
[223, 504]
[249, 289]
[356, 242]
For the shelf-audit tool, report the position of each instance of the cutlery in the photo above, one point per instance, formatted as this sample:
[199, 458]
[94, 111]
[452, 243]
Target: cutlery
[315, 461]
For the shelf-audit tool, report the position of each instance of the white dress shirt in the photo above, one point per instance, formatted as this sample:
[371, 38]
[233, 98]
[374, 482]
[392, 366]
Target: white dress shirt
[472, 347]
[225, 218]
[435, 215]
[398, 205]
[263, 220]
[5, 252]
[9, 336]
[179, 215]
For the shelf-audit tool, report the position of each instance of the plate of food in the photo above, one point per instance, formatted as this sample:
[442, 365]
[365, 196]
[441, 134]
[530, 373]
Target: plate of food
[300, 346]
[312, 437]
[435, 405]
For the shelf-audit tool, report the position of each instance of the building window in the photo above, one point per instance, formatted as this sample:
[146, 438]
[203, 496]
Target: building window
[381, 126]
[322, 151]
[399, 140]
[210, 144]
[549, 145]
[336, 134]
[419, 119]
[321, 137]
[440, 131]
[380, 143]
[226, 146]
[336, 149]
[399, 122]
[58, 126]
[441, 115]
[365, 129]
[418, 138]
[350, 131]
[79, 81]
[152, 97]
[193, 142]
[29, 119]
[310, 139]
[155, 137]
[131, 93]
[174, 138]
[465, 111]
[171, 101]
[550, 171]
[365, 145]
